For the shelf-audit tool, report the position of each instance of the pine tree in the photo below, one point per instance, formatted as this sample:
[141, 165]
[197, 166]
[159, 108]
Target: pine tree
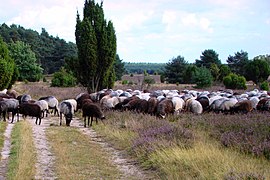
[96, 42]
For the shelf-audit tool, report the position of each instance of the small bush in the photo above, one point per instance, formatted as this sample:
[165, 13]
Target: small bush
[63, 79]
[233, 81]
[124, 82]
[264, 86]
[203, 78]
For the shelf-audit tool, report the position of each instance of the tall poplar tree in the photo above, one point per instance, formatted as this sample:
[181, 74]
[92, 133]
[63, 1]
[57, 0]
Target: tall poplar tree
[96, 42]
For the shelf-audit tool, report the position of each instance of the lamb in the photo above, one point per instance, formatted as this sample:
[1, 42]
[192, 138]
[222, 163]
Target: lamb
[28, 109]
[91, 110]
[164, 108]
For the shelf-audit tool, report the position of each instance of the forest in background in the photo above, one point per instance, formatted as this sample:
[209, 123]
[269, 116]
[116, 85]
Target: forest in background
[50, 51]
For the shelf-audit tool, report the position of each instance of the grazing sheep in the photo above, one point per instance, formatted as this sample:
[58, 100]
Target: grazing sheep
[152, 105]
[12, 93]
[52, 103]
[73, 102]
[44, 107]
[9, 105]
[66, 108]
[28, 109]
[91, 110]
[242, 106]
[194, 106]
[263, 105]
[227, 104]
[178, 104]
[164, 108]
[25, 98]
[108, 102]
[204, 100]
[254, 101]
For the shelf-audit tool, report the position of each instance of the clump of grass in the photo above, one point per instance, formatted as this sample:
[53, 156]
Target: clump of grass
[79, 158]
[206, 160]
[22, 160]
[3, 126]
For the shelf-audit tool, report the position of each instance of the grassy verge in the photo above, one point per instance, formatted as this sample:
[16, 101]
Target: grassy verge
[188, 146]
[3, 126]
[23, 154]
[77, 157]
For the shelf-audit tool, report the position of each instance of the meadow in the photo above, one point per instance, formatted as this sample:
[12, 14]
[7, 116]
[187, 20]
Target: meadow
[187, 146]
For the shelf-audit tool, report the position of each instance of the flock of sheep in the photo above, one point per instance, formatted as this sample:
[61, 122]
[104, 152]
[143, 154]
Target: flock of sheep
[159, 103]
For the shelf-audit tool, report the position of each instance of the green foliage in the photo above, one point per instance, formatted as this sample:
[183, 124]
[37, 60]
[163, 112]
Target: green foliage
[237, 62]
[207, 58]
[124, 82]
[174, 70]
[139, 68]
[190, 73]
[119, 67]
[234, 81]
[257, 70]
[50, 51]
[264, 86]
[7, 67]
[203, 78]
[25, 61]
[224, 70]
[96, 42]
[63, 79]
[215, 71]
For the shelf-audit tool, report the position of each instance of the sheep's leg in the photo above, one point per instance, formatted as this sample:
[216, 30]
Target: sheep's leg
[36, 120]
[96, 120]
[91, 120]
[85, 121]
[60, 119]
[88, 120]
[4, 115]
[39, 120]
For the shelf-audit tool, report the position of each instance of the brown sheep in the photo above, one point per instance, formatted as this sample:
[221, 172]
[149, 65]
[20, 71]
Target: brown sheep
[242, 106]
[81, 98]
[152, 105]
[91, 110]
[164, 108]
[262, 105]
[28, 109]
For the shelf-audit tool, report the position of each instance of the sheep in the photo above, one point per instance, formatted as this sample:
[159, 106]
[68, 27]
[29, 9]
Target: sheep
[254, 101]
[178, 104]
[12, 93]
[216, 105]
[66, 108]
[73, 102]
[33, 110]
[108, 102]
[164, 108]
[194, 106]
[242, 106]
[44, 107]
[25, 98]
[152, 105]
[263, 105]
[52, 103]
[9, 105]
[227, 104]
[80, 99]
[91, 110]
[138, 105]
[204, 100]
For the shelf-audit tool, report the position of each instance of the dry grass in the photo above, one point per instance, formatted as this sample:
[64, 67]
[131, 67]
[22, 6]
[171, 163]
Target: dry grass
[79, 158]
[23, 154]
[3, 126]
[207, 160]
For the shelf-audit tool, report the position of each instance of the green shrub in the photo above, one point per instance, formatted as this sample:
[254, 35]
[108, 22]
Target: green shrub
[264, 86]
[63, 79]
[125, 82]
[203, 78]
[233, 81]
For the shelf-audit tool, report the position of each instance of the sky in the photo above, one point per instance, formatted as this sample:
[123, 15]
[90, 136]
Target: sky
[158, 30]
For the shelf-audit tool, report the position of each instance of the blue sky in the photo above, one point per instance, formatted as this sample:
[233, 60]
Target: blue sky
[158, 30]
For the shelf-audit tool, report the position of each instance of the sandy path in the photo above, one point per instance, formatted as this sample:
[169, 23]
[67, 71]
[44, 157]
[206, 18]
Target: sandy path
[5, 151]
[45, 159]
[125, 166]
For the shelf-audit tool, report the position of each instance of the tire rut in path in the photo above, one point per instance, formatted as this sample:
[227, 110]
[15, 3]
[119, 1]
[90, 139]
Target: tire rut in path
[6, 151]
[45, 159]
[126, 167]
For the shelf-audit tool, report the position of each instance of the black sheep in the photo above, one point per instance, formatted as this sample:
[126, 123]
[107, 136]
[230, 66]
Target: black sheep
[28, 109]
[164, 108]
[91, 110]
